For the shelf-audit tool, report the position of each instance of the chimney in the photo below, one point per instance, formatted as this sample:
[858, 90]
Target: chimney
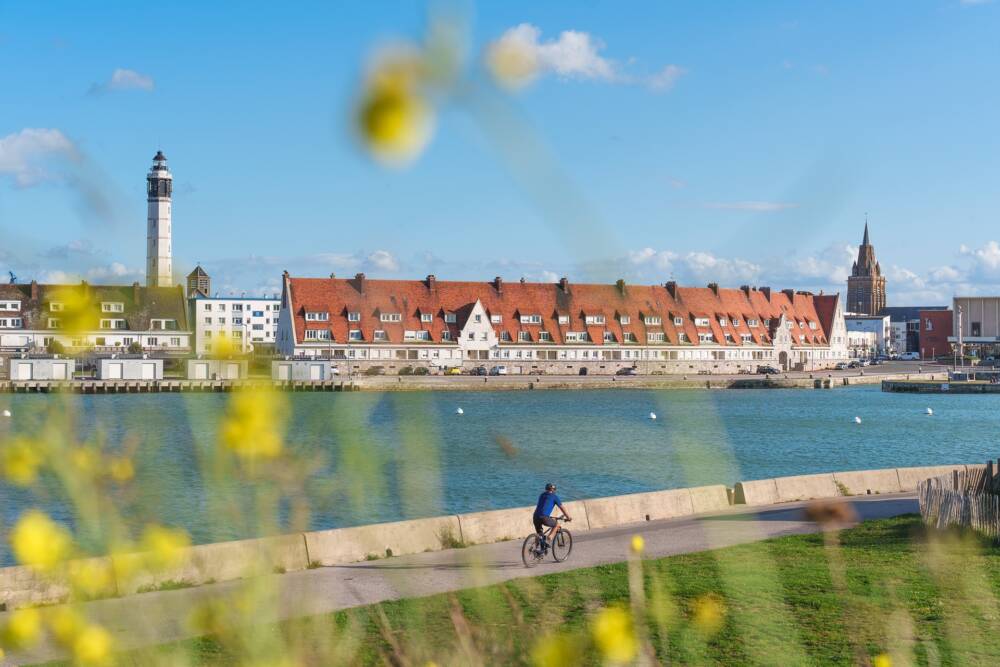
[564, 284]
[714, 287]
[523, 280]
[85, 289]
[332, 275]
[672, 288]
[34, 290]
[431, 282]
[620, 284]
[746, 290]
[766, 291]
[790, 293]
[359, 282]
[498, 284]
[135, 293]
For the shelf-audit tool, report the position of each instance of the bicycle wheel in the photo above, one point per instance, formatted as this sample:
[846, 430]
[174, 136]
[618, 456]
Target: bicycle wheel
[531, 551]
[562, 545]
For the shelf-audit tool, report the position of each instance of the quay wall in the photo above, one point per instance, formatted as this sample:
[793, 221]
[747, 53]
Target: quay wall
[225, 561]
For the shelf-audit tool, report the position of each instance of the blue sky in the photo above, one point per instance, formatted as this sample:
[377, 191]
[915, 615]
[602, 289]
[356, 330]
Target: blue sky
[785, 122]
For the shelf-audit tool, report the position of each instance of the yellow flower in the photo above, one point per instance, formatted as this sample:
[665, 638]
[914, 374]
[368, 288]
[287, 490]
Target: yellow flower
[882, 660]
[614, 635]
[512, 61]
[555, 651]
[92, 646]
[254, 424]
[23, 627]
[38, 541]
[85, 459]
[708, 613]
[638, 544]
[65, 624]
[91, 577]
[394, 119]
[79, 313]
[121, 469]
[164, 547]
[21, 461]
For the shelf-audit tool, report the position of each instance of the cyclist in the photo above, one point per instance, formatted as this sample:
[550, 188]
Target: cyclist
[548, 501]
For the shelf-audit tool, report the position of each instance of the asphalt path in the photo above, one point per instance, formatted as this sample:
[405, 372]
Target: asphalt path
[163, 616]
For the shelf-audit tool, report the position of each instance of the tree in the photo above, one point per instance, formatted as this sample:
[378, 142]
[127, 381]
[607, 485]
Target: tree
[135, 347]
[55, 347]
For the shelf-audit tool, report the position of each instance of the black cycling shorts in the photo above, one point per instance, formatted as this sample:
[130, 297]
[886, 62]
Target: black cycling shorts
[540, 521]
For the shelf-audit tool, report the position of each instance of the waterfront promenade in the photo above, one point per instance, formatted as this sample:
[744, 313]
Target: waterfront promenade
[163, 616]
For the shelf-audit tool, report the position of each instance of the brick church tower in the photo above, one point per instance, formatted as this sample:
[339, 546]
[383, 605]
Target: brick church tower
[866, 284]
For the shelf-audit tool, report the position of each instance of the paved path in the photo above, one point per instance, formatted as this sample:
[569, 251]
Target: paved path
[162, 616]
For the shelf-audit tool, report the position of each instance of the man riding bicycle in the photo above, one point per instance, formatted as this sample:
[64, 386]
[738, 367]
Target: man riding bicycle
[548, 501]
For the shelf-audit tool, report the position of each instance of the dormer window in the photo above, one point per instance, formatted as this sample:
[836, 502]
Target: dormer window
[10, 305]
[722, 321]
[380, 336]
[55, 323]
[112, 307]
[812, 325]
[678, 321]
[736, 321]
[426, 317]
[701, 321]
[752, 323]
[449, 318]
[593, 319]
[788, 325]
[544, 337]
[625, 320]
[56, 307]
[390, 317]
[523, 337]
[112, 324]
[531, 319]
[353, 316]
[505, 336]
[564, 319]
[609, 337]
[652, 320]
[317, 316]
[496, 319]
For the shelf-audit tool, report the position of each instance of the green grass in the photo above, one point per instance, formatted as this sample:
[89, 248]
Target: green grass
[935, 596]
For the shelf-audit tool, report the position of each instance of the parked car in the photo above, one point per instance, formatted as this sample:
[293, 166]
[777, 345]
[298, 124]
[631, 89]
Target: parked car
[854, 364]
[842, 366]
[478, 370]
[498, 370]
[454, 370]
[627, 371]
[910, 356]
[767, 370]
[864, 362]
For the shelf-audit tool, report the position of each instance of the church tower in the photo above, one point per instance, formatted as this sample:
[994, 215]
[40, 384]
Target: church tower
[159, 185]
[866, 284]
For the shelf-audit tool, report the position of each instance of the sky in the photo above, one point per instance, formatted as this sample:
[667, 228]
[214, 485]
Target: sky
[729, 142]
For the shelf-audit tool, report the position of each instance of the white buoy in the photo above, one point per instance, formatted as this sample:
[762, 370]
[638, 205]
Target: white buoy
[652, 415]
[857, 420]
[6, 413]
[929, 411]
[459, 411]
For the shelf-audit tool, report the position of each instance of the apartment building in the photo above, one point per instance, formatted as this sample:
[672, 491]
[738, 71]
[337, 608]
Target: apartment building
[248, 324]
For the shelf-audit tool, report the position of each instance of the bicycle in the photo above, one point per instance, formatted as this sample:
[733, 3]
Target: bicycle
[535, 548]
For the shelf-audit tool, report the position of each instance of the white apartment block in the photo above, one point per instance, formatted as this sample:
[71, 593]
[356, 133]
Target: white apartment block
[247, 324]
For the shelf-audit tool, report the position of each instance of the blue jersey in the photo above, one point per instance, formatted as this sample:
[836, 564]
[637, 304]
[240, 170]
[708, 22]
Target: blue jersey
[546, 502]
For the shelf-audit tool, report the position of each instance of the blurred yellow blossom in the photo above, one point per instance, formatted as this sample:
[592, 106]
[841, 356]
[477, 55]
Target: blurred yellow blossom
[555, 651]
[23, 627]
[92, 646]
[614, 635]
[38, 541]
[79, 312]
[254, 423]
[21, 461]
[121, 469]
[65, 623]
[394, 118]
[164, 547]
[85, 459]
[708, 613]
[638, 544]
[882, 660]
[91, 577]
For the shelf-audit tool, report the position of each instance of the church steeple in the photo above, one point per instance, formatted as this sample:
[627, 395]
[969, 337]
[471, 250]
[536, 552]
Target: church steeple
[865, 240]
[866, 284]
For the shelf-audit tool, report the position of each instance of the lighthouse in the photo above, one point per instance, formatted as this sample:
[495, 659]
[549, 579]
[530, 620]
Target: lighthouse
[159, 185]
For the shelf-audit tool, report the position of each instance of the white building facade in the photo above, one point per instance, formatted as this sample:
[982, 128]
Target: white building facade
[880, 342]
[248, 324]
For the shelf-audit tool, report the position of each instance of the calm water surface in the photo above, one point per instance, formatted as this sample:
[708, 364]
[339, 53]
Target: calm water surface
[381, 457]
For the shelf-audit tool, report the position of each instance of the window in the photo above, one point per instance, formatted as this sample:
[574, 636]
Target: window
[652, 320]
[564, 319]
[208, 334]
[746, 338]
[655, 337]
[523, 337]
[354, 316]
[449, 318]
[222, 307]
[812, 325]
[682, 338]
[544, 337]
[153, 341]
[426, 317]
[311, 316]
[238, 306]
[729, 338]
[531, 319]
[390, 317]
[752, 322]
[701, 321]
[317, 334]
[260, 313]
[258, 327]
[100, 341]
[220, 320]
[236, 334]
[678, 321]
[594, 319]
[788, 325]
[10, 305]
[977, 328]
[175, 342]
[735, 321]
[14, 322]
[112, 324]
[576, 336]
[477, 319]
[112, 307]
[238, 320]
[496, 319]
[625, 320]
[208, 307]
[445, 335]
[928, 325]
[628, 337]
[163, 325]
[380, 336]
[208, 320]
[722, 321]
[609, 337]
[56, 307]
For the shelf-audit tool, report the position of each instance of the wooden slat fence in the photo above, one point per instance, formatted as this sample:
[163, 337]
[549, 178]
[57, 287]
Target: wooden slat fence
[969, 498]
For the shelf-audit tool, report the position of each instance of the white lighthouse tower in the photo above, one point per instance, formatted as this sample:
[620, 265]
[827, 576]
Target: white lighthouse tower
[159, 185]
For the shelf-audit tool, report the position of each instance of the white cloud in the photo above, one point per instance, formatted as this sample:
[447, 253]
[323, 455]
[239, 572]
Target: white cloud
[573, 55]
[123, 79]
[985, 259]
[24, 154]
[383, 260]
[945, 274]
[903, 277]
[652, 265]
[759, 206]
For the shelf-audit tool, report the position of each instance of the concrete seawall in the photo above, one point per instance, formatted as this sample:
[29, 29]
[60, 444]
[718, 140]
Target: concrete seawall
[224, 561]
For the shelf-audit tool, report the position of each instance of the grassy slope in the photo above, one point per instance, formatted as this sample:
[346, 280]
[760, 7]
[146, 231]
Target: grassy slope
[935, 600]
